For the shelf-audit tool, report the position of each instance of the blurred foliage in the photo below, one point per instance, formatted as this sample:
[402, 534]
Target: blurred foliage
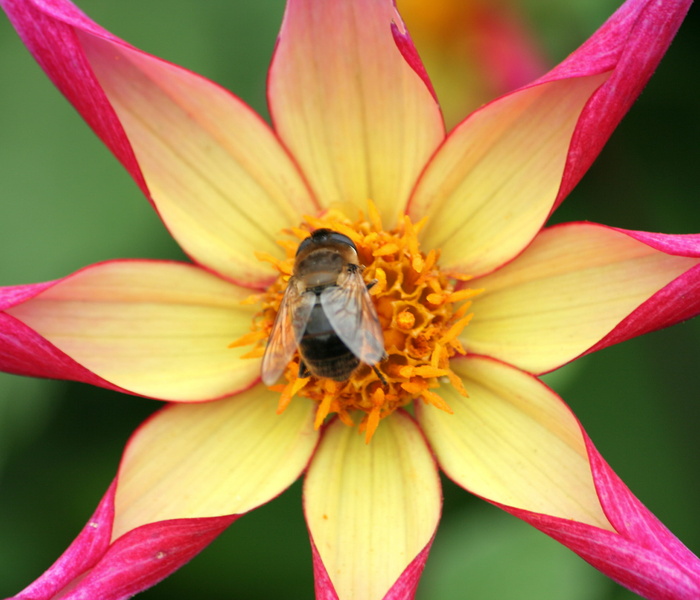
[67, 203]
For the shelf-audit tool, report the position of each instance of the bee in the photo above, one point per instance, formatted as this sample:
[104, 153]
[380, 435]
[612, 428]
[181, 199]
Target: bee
[326, 313]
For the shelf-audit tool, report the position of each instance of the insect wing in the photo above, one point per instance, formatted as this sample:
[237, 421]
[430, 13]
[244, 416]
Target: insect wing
[287, 330]
[352, 315]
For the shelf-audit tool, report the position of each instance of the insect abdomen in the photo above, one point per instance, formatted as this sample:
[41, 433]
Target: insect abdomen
[323, 352]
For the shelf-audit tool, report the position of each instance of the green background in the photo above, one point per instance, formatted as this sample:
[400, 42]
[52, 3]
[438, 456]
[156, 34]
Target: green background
[66, 203]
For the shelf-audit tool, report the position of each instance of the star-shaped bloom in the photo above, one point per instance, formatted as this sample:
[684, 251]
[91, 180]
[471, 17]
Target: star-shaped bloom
[475, 299]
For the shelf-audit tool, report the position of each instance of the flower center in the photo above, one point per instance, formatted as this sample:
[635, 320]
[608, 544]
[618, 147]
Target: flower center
[422, 311]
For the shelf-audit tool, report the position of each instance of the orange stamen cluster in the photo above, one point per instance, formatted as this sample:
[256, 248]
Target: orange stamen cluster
[422, 311]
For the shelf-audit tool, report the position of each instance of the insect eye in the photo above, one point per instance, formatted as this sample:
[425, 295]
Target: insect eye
[305, 244]
[342, 239]
[325, 236]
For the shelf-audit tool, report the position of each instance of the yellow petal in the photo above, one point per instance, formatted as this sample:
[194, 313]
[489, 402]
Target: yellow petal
[371, 508]
[212, 459]
[513, 441]
[570, 288]
[491, 186]
[357, 117]
[219, 178]
[160, 329]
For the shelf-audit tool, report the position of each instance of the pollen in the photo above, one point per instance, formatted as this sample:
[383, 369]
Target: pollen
[422, 310]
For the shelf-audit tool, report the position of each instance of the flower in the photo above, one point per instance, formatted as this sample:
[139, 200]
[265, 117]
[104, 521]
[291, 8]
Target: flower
[354, 120]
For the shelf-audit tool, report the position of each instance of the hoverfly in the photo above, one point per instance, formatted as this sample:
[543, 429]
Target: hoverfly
[326, 313]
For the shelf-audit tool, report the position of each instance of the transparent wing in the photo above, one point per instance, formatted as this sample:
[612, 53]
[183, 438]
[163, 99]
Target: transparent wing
[352, 315]
[287, 330]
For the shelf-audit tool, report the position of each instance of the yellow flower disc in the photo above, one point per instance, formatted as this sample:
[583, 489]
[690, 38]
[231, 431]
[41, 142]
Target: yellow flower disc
[422, 310]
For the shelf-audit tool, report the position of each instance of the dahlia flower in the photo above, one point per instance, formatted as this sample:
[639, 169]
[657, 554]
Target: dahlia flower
[475, 297]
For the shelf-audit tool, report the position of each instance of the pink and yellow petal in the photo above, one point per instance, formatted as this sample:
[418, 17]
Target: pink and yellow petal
[144, 557]
[47, 30]
[649, 571]
[641, 553]
[674, 303]
[403, 589]
[483, 214]
[491, 186]
[372, 509]
[25, 352]
[186, 475]
[575, 285]
[216, 173]
[159, 329]
[81, 555]
[93, 568]
[514, 443]
[356, 114]
[630, 44]
[212, 459]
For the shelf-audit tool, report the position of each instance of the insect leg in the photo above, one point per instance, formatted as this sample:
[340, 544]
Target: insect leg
[379, 374]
